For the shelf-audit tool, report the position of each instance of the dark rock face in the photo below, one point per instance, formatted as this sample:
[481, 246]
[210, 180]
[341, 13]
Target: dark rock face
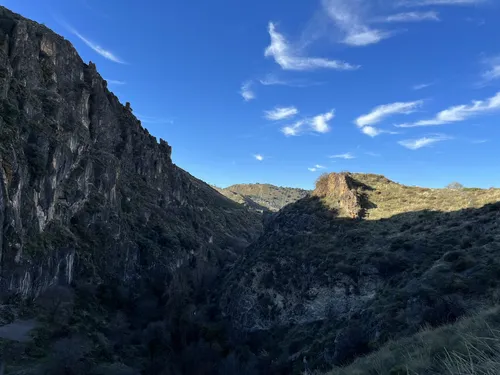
[85, 191]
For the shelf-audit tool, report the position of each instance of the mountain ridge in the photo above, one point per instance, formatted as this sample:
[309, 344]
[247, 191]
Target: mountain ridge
[263, 197]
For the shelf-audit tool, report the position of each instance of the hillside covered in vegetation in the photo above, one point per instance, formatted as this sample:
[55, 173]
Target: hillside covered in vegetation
[469, 346]
[263, 197]
[338, 274]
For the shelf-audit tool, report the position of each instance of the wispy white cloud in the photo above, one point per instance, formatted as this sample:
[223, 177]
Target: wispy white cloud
[290, 59]
[492, 71]
[347, 156]
[375, 154]
[281, 113]
[383, 111]
[320, 123]
[422, 86]
[415, 144]
[367, 37]
[317, 167]
[479, 141]
[246, 91]
[294, 129]
[317, 124]
[115, 82]
[418, 3]
[349, 18]
[153, 120]
[96, 47]
[258, 157]
[460, 112]
[272, 80]
[371, 131]
[492, 74]
[410, 17]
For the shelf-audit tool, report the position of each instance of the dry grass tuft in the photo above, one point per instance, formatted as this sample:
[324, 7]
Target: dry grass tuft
[468, 347]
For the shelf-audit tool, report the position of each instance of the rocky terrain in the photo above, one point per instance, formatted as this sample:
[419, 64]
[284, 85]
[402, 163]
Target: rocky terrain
[115, 261]
[337, 274]
[84, 189]
[263, 197]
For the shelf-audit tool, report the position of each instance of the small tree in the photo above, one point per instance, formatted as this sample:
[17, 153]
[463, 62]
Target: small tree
[455, 186]
[58, 302]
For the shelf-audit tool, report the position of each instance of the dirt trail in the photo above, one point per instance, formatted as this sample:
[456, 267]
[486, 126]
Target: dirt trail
[18, 330]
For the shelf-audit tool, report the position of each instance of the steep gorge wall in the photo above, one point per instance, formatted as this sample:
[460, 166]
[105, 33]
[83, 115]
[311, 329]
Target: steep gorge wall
[84, 188]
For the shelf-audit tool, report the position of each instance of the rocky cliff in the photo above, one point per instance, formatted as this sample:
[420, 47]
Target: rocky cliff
[341, 191]
[85, 190]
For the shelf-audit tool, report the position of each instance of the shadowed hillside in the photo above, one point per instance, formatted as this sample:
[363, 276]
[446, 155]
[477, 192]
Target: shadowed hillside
[314, 286]
[471, 346]
[330, 287]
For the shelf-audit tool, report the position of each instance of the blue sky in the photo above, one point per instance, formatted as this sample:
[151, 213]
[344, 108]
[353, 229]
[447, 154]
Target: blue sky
[280, 91]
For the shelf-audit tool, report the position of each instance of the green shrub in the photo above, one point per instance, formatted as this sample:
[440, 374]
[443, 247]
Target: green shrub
[68, 357]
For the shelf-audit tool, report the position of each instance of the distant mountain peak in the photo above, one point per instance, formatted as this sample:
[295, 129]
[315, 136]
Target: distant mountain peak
[263, 197]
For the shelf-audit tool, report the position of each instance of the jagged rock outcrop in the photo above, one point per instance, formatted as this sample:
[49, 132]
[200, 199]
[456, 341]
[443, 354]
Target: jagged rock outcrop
[340, 189]
[85, 190]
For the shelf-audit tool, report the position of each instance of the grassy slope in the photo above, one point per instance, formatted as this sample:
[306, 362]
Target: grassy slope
[387, 198]
[468, 347]
[392, 198]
